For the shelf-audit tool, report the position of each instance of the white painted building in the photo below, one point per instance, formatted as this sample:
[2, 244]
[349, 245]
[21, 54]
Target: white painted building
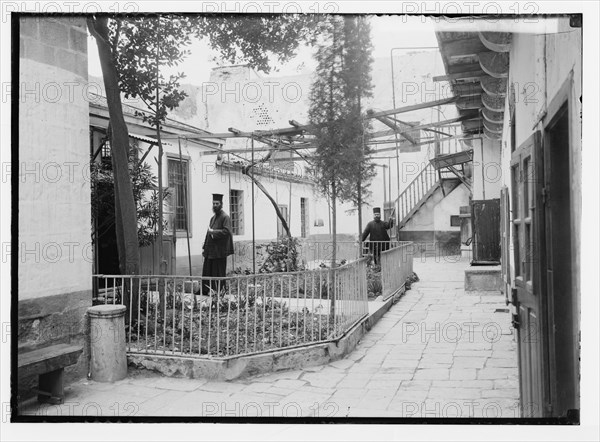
[528, 172]
[239, 97]
[206, 171]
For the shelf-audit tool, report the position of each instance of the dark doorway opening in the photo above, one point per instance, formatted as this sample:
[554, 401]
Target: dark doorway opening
[562, 314]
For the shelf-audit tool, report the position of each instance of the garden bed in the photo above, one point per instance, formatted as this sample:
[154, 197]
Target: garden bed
[227, 324]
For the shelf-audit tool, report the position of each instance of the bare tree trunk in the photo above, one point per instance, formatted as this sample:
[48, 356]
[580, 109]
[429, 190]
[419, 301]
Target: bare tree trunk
[359, 206]
[334, 223]
[119, 146]
[125, 208]
[118, 224]
[162, 269]
[332, 289]
[273, 202]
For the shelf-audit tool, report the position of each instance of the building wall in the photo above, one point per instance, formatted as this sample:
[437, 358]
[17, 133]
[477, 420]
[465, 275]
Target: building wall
[206, 178]
[539, 65]
[239, 97]
[448, 207]
[55, 254]
[430, 227]
[487, 169]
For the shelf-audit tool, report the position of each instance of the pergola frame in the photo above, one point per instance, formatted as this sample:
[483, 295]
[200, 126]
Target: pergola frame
[297, 137]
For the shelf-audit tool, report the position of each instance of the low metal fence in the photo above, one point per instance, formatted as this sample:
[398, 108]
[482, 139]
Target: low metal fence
[315, 253]
[375, 248]
[237, 315]
[396, 267]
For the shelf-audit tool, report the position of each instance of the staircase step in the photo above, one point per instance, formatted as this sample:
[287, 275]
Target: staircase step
[452, 159]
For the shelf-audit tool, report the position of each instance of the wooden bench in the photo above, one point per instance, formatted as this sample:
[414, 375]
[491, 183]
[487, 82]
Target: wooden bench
[49, 364]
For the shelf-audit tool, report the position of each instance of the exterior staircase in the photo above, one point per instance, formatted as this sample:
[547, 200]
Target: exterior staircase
[445, 172]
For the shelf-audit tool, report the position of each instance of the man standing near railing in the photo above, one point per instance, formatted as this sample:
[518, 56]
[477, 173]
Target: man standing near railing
[376, 230]
[218, 245]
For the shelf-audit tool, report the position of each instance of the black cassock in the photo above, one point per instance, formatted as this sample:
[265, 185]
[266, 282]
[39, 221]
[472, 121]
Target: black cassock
[218, 245]
[377, 231]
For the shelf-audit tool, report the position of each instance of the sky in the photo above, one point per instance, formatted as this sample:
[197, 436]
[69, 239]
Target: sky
[387, 32]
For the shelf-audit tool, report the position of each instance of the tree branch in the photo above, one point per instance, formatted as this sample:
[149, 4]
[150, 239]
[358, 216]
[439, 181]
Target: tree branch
[91, 23]
[273, 202]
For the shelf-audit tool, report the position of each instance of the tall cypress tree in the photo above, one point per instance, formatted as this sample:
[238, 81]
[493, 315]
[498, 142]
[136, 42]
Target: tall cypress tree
[342, 81]
[357, 74]
[327, 112]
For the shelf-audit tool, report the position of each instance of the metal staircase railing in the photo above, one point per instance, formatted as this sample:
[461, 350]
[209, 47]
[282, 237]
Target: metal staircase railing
[432, 177]
[416, 193]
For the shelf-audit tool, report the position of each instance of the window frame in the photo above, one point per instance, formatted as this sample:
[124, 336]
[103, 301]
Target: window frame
[304, 218]
[456, 219]
[180, 233]
[284, 209]
[240, 210]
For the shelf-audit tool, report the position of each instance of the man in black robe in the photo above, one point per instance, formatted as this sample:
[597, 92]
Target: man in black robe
[376, 230]
[218, 245]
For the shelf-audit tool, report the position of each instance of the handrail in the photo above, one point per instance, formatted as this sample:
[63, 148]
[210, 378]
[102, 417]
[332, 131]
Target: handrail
[415, 191]
[423, 183]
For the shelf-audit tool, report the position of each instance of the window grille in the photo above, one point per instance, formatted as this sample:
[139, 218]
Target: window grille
[236, 211]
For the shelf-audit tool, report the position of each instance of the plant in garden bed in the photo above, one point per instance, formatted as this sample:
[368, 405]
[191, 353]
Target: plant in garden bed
[374, 284]
[410, 280]
[307, 285]
[282, 256]
[232, 326]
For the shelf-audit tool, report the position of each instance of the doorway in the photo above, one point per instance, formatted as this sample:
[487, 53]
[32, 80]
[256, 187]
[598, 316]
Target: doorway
[563, 317]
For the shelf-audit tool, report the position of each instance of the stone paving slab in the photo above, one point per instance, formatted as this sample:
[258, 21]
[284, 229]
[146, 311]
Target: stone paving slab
[438, 352]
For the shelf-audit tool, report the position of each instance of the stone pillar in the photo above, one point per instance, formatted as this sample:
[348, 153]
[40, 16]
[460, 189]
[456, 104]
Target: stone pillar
[108, 362]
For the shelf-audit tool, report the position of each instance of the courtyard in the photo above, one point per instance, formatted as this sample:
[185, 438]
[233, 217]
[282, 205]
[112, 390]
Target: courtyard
[438, 352]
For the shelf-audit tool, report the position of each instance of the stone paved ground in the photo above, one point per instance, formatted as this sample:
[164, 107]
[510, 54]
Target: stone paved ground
[438, 352]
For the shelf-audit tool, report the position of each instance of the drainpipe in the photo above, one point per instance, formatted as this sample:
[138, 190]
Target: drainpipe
[253, 213]
[482, 173]
[481, 145]
[384, 185]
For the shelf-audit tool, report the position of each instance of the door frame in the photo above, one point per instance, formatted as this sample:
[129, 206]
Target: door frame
[563, 97]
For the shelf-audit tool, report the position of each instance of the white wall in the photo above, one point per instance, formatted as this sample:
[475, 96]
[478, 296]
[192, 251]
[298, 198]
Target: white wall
[55, 253]
[539, 66]
[487, 169]
[449, 206]
[207, 178]
[237, 97]
[435, 214]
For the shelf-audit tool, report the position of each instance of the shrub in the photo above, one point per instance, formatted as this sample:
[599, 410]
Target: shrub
[374, 285]
[282, 256]
[412, 278]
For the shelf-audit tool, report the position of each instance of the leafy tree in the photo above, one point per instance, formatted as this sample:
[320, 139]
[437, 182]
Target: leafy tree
[131, 51]
[125, 213]
[357, 76]
[144, 44]
[341, 83]
[144, 186]
[258, 39]
[326, 112]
